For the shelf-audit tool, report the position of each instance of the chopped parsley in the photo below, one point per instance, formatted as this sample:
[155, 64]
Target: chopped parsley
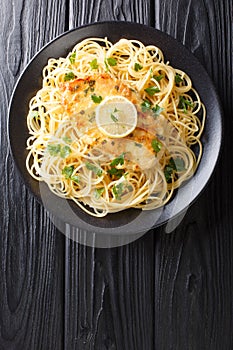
[145, 105]
[156, 145]
[137, 67]
[68, 171]
[118, 190]
[69, 76]
[67, 139]
[121, 189]
[157, 110]
[184, 103]
[178, 79]
[111, 61]
[114, 118]
[152, 90]
[116, 172]
[158, 77]
[118, 160]
[94, 64]
[98, 192]
[173, 166]
[96, 170]
[65, 151]
[96, 99]
[72, 57]
[57, 149]
[54, 150]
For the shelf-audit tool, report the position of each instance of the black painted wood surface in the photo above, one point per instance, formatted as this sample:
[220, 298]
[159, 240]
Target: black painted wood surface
[164, 291]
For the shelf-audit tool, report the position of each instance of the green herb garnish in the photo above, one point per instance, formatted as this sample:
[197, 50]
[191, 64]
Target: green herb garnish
[67, 139]
[111, 61]
[178, 79]
[184, 103]
[173, 166]
[72, 57]
[98, 192]
[116, 172]
[96, 99]
[114, 118]
[96, 170]
[156, 145]
[118, 160]
[65, 151]
[94, 64]
[146, 105]
[157, 110]
[152, 90]
[137, 66]
[68, 171]
[69, 76]
[158, 77]
[54, 150]
[118, 190]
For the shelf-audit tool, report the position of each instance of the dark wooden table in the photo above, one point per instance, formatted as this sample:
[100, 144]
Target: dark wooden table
[164, 291]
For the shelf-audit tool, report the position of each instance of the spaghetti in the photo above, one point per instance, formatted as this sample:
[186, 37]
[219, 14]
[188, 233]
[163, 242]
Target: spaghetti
[114, 126]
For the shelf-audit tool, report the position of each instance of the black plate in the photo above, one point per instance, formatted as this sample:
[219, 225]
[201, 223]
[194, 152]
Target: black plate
[129, 221]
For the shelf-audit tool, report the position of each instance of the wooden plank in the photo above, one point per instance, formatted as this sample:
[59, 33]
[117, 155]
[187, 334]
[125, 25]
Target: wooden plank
[108, 299]
[31, 250]
[193, 266]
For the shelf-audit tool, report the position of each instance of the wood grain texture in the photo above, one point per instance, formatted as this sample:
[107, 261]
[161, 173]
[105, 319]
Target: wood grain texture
[31, 252]
[194, 264]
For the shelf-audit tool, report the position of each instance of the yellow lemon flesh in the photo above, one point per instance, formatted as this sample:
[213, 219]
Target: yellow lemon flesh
[116, 116]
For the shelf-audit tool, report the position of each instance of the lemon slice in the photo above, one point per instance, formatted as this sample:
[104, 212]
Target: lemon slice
[116, 116]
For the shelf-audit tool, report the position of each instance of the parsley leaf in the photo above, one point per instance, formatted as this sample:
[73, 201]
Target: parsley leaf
[152, 90]
[158, 77]
[72, 57]
[178, 79]
[146, 105]
[179, 164]
[114, 118]
[157, 110]
[96, 170]
[54, 149]
[96, 99]
[67, 139]
[137, 66]
[116, 172]
[168, 171]
[111, 61]
[94, 64]
[156, 145]
[69, 76]
[184, 103]
[173, 165]
[98, 192]
[68, 171]
[118, 160]
[65, 151]
[118, 190]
